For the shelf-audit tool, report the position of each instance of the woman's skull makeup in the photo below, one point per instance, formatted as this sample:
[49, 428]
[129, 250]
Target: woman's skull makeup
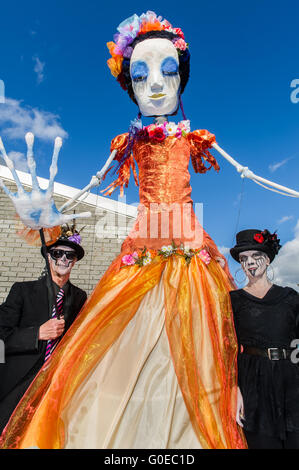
[254, 263]
[154, 70]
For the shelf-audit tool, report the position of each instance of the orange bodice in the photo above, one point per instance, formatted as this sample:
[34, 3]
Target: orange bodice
[163, 166]
[163, 171]
[165, 213]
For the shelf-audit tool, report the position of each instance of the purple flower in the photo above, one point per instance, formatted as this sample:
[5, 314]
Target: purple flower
[76, 238]
[128, 52]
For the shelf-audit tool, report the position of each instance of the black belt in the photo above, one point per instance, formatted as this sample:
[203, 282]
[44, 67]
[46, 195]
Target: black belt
[274, 354]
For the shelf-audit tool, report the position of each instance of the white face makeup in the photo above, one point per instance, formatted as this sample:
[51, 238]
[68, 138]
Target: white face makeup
[254, 263]
[154, 70]
[62, 266]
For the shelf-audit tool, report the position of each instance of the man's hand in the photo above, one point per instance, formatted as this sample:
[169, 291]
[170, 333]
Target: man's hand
[52, 329]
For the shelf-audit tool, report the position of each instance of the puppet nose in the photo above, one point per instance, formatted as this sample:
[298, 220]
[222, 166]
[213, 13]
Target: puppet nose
[156, 83]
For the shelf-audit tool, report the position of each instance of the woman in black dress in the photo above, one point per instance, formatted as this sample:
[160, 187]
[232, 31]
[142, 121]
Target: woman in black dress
[266, 320]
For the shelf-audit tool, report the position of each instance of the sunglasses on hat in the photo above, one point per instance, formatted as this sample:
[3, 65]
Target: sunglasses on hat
[57, 254]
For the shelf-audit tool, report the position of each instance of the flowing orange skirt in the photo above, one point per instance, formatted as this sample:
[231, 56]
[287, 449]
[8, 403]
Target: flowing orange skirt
[153, 344]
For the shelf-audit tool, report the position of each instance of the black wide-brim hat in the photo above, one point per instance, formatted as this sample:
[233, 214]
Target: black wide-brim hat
[64, 241]
[254, 239]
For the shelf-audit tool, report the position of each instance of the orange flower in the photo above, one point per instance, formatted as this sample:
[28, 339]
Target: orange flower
[149, 26]
[114, 65]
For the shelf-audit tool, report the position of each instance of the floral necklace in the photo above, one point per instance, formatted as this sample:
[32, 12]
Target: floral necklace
[159, 132]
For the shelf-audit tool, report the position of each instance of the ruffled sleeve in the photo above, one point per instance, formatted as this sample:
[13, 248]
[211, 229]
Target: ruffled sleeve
[120, 143]
[200, 141]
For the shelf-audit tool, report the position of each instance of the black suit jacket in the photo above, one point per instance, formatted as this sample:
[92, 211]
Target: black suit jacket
[26, 308]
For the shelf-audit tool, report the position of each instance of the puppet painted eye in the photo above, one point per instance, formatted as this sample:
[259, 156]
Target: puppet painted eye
[139, 71]
[169, 67]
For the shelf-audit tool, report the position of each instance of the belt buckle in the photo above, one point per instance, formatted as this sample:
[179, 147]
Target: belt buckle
[274, 350]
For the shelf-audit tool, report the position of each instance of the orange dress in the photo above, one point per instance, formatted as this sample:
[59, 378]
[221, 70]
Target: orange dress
[150, 362]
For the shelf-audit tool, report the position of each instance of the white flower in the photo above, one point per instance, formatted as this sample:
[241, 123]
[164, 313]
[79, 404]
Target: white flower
[167, 250]
[171, 128]
[187, 250]
[185, 125]
[147, 259]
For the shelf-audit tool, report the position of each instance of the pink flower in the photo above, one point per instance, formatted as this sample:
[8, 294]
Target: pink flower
[129, 260]
[180, 44]
[178, 132]
[204, 256]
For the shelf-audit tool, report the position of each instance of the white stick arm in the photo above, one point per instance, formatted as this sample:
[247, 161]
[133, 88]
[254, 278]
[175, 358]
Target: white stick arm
[95, 181]
[246, 173]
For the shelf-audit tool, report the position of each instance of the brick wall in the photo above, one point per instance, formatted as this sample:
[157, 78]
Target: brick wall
[20, 261]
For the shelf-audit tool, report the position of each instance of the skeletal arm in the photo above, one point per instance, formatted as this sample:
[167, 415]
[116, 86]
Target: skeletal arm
[95, 181]
[246, 173]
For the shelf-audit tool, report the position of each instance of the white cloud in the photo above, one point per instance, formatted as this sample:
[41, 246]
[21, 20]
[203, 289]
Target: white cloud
[286, 218]
[39, 69]
[16, 120]
[273, 167]
[286, 263]
[19, 160]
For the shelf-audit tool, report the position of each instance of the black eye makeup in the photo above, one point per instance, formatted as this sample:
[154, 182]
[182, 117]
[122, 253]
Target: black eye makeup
[256, 255]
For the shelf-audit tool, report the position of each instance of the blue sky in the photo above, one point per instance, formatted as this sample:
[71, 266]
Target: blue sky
[244, 56]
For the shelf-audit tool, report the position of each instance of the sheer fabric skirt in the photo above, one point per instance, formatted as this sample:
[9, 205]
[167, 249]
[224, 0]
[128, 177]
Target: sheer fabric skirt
[132, 399]
[150, 362]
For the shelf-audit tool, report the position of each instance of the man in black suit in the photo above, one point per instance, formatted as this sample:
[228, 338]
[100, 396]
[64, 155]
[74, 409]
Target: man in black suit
[29, 325]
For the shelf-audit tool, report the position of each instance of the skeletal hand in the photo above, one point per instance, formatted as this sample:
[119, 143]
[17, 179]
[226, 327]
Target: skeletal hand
[37, 208]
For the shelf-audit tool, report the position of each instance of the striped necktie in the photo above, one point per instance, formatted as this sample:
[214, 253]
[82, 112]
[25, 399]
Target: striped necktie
[52, 343]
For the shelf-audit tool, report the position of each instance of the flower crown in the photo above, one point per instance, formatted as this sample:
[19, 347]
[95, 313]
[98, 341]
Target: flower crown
[135, 26]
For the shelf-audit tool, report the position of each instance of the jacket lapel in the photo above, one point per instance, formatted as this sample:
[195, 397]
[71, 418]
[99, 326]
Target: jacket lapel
[42, 299]
[68, 305]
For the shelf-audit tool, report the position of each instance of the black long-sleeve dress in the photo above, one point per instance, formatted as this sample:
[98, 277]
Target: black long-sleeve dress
[270, 389]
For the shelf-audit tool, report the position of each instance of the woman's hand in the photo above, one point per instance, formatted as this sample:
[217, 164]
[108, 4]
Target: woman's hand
[240, 409]
[221, 261]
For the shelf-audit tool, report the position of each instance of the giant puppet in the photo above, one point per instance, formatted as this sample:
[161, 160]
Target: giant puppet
[150, 361]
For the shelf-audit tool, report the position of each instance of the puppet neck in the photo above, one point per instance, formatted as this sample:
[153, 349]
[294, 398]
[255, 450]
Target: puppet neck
[159, 120]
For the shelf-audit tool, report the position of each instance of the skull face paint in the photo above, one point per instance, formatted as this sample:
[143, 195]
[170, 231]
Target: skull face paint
[254, 263]
[154, 71]
[61, 266]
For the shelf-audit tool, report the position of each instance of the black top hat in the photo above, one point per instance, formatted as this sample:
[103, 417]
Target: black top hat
[69, 237]
[254, 239]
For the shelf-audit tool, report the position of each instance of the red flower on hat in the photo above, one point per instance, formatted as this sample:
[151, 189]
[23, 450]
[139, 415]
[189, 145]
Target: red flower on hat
[258, 237]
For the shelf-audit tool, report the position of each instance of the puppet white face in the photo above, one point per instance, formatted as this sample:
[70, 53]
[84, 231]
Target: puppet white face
[254, 263]
[154, 71]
